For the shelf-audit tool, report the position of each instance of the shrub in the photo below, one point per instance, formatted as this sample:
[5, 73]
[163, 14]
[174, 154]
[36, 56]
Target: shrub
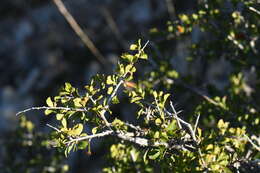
[219, 130]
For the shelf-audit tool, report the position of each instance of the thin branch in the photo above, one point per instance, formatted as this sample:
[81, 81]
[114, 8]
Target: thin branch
[179, 120]
[55, 128]
[145, 45]
[89, 137]
[52, 108]
[115, 91]
[253, 144]
[79, 31]
[176, 115]
[131, 137]
[137, 128]
[196, 123]
[188, 125]
[140, 140]
[254, 10]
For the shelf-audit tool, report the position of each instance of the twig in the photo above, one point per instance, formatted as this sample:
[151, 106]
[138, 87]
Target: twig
[254, 10]
[145, 45]
[179, 120]
[188, 125]
[131, 137]
[98, 135]
[196, 123]
[176, 115]
[137, 128]
[52, 108]
[53, 127]
[251, 142]
[77, 29]
[115, 91]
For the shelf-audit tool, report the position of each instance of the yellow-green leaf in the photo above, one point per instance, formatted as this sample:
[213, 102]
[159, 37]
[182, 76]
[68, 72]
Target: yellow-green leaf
[64, 123]
[110, 90]
[48, 111]
[59, 116]
[133, 47]
[49, 102]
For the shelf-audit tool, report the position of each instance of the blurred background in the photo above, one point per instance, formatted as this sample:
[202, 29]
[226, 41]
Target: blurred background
[39, 52]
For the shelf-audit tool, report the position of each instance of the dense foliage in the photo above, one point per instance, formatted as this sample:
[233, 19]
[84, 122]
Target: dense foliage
[219, 131]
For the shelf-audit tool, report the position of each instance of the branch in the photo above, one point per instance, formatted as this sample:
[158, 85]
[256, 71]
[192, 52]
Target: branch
[176, 115]
[115, 91]
[254, 10]
[253, 144]
[52, 127]
[188, 125]
[77, 29]
[52, 108]
[98, 135]
[131, 137]
[196, 123]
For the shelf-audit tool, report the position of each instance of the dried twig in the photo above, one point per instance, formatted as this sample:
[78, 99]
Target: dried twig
[254, 10]
[188, 125]
[252, 143]
[78, 30]
[196, 123]
[55, 128]
[52, 108]
[137, 128]
[130, 137]
[105, 133]
[176, 115]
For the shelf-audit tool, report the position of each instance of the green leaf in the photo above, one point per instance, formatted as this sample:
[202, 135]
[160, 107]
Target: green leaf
[128, 57]
[49, 102]
[133, 47]
[172, 127]
[59, 116]
[109, 80]
[82, 145]
[48, 112]
[77, 102]
[94, 130]
[139, 44]
[145, 155]
[134, 155]
[165, 97]
[110, 90]
[143, 56]
[77, 129]
[68, 87]
[158, 121]
[135, 99]
[128, 68]
[64, 123]
[115, 100]
[156, 135]
[155, 155]
[155, 95]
